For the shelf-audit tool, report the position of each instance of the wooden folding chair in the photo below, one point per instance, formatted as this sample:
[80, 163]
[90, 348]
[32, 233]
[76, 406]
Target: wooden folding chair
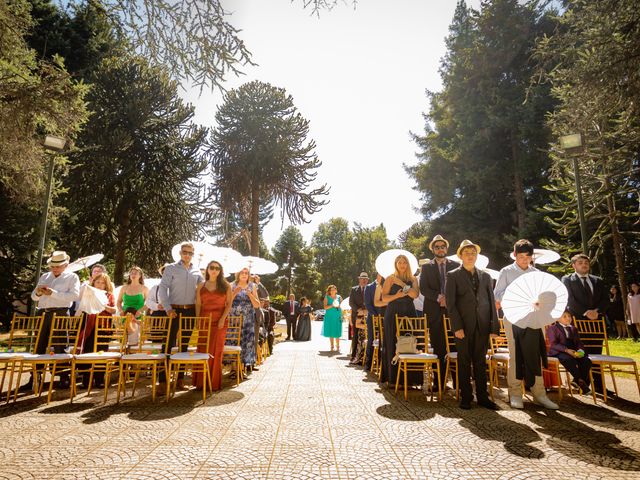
[593, 333]
[232, 346]
[452, 355]
[63, 337]
[193, 334]
[416, 362]
[108, 345]
[23, 338]
[151, 355]
[376, 321]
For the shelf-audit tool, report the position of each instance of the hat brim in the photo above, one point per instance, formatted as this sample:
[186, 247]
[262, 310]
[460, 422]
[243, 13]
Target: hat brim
[436, 241]
[477, 247]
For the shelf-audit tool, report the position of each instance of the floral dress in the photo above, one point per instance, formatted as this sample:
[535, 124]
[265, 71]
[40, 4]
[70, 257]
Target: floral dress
[242, 306]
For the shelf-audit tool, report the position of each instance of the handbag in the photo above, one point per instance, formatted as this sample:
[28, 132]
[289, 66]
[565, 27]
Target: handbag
[361, 318]
[407, 344]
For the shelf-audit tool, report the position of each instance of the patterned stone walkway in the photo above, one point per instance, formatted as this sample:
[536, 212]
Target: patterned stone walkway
[307, 415]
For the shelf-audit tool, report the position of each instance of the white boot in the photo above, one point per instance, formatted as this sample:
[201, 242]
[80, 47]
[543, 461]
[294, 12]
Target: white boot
[516, 401]
[545, 402]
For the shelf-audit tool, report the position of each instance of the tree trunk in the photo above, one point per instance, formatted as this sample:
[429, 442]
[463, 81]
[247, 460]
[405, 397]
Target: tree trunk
[518, 189]
[121, 245]
[255, 222]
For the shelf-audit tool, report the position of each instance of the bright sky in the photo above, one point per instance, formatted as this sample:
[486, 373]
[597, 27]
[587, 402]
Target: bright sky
[359, 76]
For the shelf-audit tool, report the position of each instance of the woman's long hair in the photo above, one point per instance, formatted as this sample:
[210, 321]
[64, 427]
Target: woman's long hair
[408, 275]
[108, 286]
[139, 270]
[221, 283]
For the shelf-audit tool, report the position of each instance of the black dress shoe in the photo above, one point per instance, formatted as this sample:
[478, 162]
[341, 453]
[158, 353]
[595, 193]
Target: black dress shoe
[488, 404]
[465, 405]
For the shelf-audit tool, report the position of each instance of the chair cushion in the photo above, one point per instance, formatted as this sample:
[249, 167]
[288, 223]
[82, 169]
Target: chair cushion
[232, 348]
[452, 355]
[98, 356]
[144, 356]
[553, 360]
[188, 356]
[376, 343]
[502, 350]
[500, 357]
[48, 357]
[610, 359]
[149, 347]
[417, 356]
[7, 357]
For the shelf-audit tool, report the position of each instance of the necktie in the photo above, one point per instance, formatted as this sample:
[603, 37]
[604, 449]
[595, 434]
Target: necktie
[443, 278]
[587, 289]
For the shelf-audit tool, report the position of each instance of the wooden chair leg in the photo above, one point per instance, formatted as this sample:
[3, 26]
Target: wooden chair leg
[120, 383]
[405, 379]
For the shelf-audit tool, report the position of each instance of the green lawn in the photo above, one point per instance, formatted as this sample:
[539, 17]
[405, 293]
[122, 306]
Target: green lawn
[625, 348]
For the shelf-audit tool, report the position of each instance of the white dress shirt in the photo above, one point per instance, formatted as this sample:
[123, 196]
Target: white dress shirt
[65, 289]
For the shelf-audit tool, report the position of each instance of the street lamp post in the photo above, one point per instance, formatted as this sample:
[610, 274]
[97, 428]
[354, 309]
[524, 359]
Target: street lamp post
[573, 144]
[55, 144]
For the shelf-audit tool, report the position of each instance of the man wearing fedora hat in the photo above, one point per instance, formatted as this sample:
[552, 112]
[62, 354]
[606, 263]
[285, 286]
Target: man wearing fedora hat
[55, 293]
[358, 309]
[472, 310]
[433, 279]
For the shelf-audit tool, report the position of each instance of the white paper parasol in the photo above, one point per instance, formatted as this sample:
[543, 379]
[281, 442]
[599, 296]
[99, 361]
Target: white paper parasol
[385, 263]
[492, 273]
[256, 265]
[481, 262]
[84, 262]
[93, 300]
[542, 256]
[534, 300]
[345, 304]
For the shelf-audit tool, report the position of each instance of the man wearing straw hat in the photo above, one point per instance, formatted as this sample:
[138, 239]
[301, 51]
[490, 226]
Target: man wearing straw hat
[433, 279]
[55, 293]
[471, 307]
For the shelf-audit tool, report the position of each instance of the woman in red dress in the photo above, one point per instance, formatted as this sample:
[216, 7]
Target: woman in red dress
[213, 300]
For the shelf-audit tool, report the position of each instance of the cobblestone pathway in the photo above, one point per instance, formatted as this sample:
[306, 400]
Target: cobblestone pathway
[307, 415]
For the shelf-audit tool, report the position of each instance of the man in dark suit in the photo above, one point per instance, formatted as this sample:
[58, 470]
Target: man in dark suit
[588, 298]
[291, 311]
[370, 304]
[472, 309]
[356, 302]
[433, 279]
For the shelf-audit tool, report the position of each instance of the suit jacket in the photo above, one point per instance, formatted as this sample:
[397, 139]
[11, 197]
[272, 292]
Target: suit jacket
[430, 287]
[467, 309]
[558, 339]
[356, 301]
[369, 299]
[578, 300]
[286, 310]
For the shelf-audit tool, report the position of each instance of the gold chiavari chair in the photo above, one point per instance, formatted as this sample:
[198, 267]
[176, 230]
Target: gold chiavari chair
[593, 333]
[232, 346]
[62, 343]
[416, 362]
[376, 321]
[108, 345]
[23, 338]
[452, 356]
[150, 355]
[366, 339]
[193, 334]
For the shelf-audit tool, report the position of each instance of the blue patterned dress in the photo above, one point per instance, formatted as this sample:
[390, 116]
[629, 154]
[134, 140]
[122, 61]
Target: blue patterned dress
[242, 306]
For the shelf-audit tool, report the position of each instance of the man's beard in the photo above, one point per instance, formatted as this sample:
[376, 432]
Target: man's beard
[440, 255]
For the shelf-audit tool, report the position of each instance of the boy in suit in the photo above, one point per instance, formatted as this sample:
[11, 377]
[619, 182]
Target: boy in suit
[565, 344]
[471, 306]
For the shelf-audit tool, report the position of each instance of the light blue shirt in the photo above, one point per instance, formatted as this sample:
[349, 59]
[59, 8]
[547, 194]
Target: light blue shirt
[178, 285]
[507, 275]
[65, 289]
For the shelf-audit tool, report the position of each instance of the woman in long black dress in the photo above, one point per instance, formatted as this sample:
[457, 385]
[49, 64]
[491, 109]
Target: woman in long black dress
[303, 329]
[399, 290]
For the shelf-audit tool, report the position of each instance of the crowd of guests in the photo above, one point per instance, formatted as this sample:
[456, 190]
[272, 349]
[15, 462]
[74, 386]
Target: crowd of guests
[184, 290]
[471, 300]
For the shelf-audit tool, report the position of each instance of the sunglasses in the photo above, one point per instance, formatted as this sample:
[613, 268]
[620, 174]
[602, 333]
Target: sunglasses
[439, 247]
[186, 252]
[214, 267]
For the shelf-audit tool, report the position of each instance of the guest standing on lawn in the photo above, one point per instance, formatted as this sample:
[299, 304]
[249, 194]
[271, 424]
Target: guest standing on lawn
[332, 322]
[213, 300]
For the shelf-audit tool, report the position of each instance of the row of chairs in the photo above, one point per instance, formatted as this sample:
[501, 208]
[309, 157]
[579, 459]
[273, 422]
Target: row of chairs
[111, 352]
[592, 332]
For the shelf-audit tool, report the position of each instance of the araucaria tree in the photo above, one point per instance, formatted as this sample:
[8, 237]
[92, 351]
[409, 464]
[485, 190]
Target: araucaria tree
[134, 187]
[261, 157]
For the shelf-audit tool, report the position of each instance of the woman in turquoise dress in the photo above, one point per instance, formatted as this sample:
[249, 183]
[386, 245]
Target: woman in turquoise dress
[332, 323]
[131, 300]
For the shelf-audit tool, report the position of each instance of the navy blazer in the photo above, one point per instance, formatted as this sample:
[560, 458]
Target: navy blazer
[558, 339]
[578, 302]
[369, 299]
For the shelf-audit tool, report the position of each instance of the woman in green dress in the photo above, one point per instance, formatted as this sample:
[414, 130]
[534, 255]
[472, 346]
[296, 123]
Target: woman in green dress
[132, 296]
[332, 323]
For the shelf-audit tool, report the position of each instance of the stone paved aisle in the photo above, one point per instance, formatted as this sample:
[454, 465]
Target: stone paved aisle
[307, 415]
